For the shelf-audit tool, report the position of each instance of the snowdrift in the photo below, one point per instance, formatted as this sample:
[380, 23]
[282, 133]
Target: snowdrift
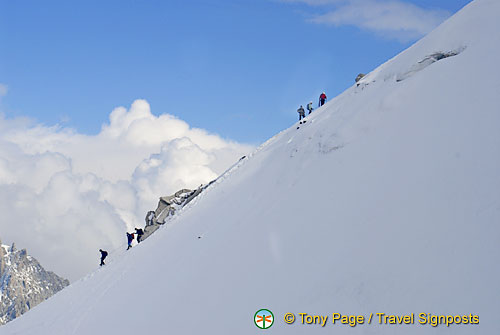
[386, 201]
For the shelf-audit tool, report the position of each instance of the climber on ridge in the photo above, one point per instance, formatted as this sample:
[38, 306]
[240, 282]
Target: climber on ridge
[322, 99]
[104, 254]
[310, 107]
[130, 238]
[139, 232]
[302, 113]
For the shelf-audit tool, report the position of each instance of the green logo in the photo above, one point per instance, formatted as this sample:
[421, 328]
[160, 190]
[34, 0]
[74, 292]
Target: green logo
[263, 318]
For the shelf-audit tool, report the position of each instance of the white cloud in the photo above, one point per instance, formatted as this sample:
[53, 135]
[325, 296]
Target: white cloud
[388, 18]
[64, 195]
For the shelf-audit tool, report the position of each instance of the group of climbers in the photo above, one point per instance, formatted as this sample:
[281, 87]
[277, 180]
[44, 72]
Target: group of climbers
[130, 238]
[139, 232]
[302, 112]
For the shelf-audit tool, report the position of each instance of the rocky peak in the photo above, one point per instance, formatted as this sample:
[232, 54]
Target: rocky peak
[24, 283]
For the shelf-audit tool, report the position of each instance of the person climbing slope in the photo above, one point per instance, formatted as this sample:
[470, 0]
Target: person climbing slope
[310, 107]
[139, 232]
[322, 99]
[104, 254]
[302, 113]
[130, 238]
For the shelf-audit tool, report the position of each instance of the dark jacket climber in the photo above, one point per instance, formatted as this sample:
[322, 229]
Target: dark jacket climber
[301, 112]
[322, 99]
[104, 254]
[139, 232]
[130, 238]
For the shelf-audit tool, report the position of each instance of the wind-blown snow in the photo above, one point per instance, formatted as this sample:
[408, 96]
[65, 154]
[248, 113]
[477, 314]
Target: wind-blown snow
[386, 200]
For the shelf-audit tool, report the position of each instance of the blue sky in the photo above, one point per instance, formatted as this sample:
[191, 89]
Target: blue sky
[236, 68]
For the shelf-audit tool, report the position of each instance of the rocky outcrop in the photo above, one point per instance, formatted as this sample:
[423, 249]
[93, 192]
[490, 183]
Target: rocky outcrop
[428, 60]
[168, 206]
[24, 283]
[359, 77]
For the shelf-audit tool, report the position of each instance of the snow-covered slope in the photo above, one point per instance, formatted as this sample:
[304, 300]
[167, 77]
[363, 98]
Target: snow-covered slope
[386, 201]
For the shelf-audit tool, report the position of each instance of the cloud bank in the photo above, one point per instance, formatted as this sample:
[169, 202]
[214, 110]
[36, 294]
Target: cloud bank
[64, 195]
[387, 18]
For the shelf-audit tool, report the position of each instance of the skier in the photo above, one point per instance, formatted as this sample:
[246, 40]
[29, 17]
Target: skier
[139, 232]
[322, 99]
[301, 112]
[310, 107]
[104, 254]
[130, 238]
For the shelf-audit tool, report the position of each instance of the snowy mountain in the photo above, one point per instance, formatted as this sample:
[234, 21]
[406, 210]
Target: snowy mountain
[24, 283]
[387, 200]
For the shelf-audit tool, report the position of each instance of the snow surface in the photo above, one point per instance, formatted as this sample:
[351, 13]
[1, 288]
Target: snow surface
[386, 200]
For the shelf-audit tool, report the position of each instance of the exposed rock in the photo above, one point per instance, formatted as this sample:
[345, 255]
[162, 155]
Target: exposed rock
[426, 61]
[167, 206]
[360, 76]
[24, 283]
